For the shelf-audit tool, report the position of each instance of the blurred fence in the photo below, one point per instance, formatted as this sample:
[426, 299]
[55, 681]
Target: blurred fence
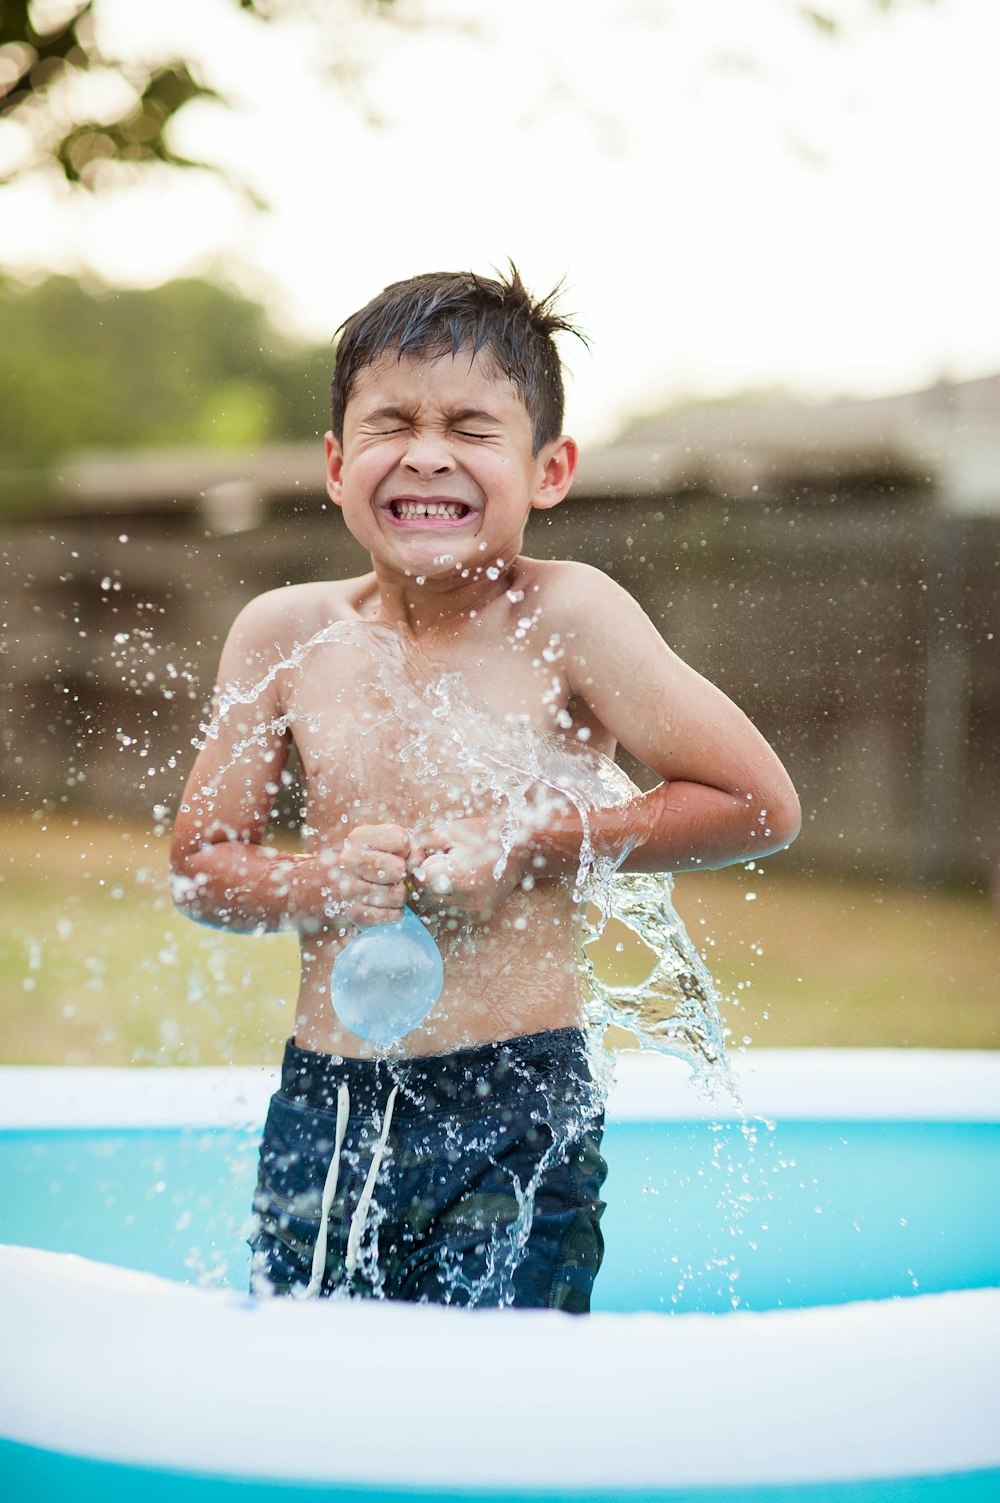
[846, 596]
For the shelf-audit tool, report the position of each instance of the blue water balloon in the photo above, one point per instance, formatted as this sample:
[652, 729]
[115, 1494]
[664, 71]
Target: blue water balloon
[387, 979]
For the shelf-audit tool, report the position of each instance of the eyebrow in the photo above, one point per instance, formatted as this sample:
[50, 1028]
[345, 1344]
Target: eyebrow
[472, 415]
[388, 412]
[459, 415]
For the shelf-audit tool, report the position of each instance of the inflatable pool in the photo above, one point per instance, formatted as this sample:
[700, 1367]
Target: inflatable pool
[804, 1313]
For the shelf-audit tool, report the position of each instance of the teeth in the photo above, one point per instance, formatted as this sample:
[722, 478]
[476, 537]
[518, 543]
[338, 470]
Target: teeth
[407, 510]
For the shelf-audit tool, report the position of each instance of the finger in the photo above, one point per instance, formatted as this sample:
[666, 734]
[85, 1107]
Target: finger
[437, 879]
[437, 837]
[419, 851]
[376, 866]
[354, 888]
[366, 917]
[389, 838]
[384, 897]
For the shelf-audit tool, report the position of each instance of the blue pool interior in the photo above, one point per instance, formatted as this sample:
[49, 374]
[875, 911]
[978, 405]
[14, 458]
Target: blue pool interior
[40, 1475]
[698, 1218]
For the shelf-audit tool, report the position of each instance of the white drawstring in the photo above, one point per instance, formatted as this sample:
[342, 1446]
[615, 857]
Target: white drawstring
[329, 1194]
[360, 1215]
[364, 1199]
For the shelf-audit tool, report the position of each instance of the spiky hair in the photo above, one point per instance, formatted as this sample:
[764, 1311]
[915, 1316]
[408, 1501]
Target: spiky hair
[444, 312]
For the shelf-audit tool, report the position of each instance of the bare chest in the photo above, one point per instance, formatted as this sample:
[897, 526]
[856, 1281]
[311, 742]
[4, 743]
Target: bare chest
[386, 736]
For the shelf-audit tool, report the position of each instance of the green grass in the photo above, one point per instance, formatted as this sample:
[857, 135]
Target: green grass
[97, 968]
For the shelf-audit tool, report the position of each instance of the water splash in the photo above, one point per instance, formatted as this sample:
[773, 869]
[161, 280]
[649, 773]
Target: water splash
[528, 774]
[522, 775]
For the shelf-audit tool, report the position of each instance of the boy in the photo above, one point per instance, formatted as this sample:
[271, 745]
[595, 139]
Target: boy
[481, 1130]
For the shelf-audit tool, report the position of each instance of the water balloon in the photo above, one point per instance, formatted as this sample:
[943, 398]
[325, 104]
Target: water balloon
[387, 979]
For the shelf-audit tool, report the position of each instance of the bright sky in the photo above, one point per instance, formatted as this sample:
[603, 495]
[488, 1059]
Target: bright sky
[734, 199]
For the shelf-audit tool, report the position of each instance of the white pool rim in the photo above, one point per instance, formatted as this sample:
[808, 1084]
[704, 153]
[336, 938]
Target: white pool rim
[927, 1085]
[110, 1364]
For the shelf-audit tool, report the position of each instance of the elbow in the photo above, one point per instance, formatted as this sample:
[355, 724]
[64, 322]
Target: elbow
[187, 882]
[186, 892]
[779, 821]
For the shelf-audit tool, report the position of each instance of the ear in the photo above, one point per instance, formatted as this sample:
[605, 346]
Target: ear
[334, 470]
[558, 460]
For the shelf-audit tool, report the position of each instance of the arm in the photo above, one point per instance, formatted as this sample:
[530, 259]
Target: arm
[725, 796]
[221, 872]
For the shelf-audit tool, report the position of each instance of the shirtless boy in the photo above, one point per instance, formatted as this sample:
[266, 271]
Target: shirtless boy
[446, 432]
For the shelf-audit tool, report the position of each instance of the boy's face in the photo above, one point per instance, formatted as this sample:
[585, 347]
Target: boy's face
[436, 474]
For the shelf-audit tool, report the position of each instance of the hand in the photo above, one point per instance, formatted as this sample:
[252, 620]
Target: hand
[454, 868]
[367, 875]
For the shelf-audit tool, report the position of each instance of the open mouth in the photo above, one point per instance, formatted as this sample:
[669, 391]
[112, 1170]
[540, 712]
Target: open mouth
[429, 511]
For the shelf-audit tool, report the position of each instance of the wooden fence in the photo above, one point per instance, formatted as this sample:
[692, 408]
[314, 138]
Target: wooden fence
[857, 624]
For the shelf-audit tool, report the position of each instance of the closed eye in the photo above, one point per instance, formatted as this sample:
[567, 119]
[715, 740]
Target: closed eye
[386, 420]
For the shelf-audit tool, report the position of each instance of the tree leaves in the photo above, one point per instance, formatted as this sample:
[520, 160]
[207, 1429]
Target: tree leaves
[39, 74]
[187, 364]
[45, 52]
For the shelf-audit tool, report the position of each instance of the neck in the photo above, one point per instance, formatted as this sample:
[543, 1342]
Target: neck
[436, 603]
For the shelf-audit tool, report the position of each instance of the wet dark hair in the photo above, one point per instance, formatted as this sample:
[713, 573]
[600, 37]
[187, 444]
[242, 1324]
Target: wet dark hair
[443, 312]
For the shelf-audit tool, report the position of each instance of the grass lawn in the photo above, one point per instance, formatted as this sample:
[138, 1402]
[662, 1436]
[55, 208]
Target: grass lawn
[97, 968]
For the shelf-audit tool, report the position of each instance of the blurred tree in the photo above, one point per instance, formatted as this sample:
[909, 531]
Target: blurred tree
[48, 46]
[186, 363]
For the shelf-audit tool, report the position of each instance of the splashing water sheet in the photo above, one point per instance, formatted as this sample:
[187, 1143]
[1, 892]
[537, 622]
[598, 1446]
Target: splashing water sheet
[459, 758]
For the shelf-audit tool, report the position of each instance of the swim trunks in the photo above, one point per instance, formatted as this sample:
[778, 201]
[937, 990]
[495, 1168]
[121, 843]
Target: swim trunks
[470, 1178]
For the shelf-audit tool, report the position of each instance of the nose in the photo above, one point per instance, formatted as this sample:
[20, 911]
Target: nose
[428, 454]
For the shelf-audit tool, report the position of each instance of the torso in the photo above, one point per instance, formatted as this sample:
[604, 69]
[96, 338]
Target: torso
[382, 734]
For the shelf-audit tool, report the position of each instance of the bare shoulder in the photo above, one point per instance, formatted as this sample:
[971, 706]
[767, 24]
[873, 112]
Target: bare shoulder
[601, 632]
[575, 597]
[271, 625]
